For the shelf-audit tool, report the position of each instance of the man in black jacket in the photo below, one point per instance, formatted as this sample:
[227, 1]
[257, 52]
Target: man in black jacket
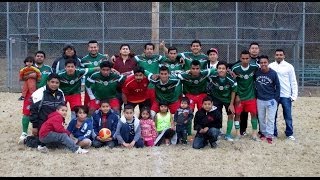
[207, 123]
[68, 52]
[45, 101]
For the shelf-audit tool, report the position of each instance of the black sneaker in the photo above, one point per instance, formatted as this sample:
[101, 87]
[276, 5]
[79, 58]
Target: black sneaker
[21, 98]
[213, 145]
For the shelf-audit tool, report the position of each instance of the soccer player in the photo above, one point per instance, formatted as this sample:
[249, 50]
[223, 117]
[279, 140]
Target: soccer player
[134, 89]
[91, 60]
[150, 62]
[70, 83]
[102, 85]
[222, 89]
[194, 54]
[244, 72]
[166, 90]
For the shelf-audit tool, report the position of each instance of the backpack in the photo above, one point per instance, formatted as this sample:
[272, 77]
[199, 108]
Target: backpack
[32, 141]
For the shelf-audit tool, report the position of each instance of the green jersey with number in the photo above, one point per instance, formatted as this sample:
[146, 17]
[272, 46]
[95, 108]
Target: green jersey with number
[45, 71]
[71, 84]
[198, 84]
[189, 57]
[245, 80]
[150, 64]
[221, 87]
[100, 87]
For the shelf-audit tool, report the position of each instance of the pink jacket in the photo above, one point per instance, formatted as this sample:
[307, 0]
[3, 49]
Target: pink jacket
[148, 129]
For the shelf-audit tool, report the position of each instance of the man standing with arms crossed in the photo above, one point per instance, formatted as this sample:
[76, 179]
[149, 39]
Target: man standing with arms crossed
[288, 90]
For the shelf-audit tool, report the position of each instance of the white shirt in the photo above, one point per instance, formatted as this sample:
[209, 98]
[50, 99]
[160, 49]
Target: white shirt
[287, 78]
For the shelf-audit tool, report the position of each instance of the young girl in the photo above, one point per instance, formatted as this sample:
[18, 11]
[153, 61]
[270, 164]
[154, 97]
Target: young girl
[53, 131]
[148, 128]
[81, 127]
[165, 126]
[128, 131]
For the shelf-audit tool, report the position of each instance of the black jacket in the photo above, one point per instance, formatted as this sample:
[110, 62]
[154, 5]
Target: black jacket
[44, 103]
[58, 64]
[210, 119]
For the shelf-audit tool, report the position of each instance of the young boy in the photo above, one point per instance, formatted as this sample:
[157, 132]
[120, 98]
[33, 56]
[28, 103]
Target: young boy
[104, 117]
[128, 131]
[29, 84]
[53, 131]
[182, 117]
[207, 123]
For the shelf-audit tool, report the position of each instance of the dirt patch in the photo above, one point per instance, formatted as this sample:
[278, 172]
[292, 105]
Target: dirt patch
[242, 158]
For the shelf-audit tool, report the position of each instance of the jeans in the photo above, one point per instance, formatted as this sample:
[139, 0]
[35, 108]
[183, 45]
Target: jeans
[63, 138]
[110, 144]
[267, 112]
[181, 131]
[201, 140]
[128, 138]
[286, 106]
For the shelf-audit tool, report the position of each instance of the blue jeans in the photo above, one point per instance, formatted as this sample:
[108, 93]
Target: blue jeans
[62, 138]
[182, 133]
[201, 140]
[286, 106]
[128, 138]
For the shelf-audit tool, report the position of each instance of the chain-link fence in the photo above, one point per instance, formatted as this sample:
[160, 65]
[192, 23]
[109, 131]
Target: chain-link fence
[229, 26]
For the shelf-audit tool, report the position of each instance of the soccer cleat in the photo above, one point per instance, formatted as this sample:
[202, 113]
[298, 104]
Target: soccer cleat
[21, 98]
[22, 138]
[81, 151]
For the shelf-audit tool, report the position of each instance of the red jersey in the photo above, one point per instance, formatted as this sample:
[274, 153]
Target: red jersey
[136, 92]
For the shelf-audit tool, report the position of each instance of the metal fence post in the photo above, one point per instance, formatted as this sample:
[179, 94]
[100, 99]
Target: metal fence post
[236, 31]
[8, 45]
[170, 23]
[103, 34]
[38, 24]
[303, 41]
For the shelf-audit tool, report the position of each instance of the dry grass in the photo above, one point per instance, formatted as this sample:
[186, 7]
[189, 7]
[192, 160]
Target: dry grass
[242, 158]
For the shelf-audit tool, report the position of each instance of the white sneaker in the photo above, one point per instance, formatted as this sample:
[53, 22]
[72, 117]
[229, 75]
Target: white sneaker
[81, 151]
[291, 138]
[42, 149]
[22, 138]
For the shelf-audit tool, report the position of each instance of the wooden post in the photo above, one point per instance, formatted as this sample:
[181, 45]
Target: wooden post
[155, 26]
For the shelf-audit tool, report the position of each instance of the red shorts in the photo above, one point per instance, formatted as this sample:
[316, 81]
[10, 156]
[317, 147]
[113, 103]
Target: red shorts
[151, 94]
[86, 100]
[172, 106]
[26, 104]
[196, 99]
[247, 106]
[95, 104]
[74, 100]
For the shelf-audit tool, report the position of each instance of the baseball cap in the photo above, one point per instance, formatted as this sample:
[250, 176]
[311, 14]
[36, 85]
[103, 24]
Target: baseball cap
[212, 50]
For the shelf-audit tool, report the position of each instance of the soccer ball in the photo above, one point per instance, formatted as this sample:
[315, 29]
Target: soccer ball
[104, 133]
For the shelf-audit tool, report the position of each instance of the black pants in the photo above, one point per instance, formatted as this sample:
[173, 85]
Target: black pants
[243, 122]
